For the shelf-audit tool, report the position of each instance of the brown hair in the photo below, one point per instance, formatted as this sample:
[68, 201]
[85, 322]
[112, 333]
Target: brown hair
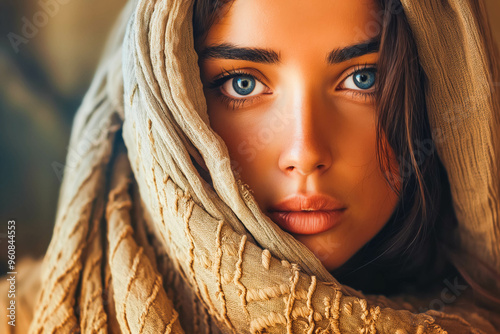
[408, 245]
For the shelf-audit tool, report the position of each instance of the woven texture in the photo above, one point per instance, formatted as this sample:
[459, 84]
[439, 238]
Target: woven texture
[143, 243]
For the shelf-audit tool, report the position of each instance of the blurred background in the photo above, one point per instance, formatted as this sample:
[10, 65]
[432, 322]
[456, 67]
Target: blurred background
[49, 50]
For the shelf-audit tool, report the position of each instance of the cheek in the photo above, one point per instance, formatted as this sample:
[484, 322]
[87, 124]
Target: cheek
[356, 132]
[371, 196]
[358, 166]
[251, 143]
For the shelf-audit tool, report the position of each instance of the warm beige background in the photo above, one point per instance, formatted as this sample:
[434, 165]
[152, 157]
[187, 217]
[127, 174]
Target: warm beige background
[41, 88]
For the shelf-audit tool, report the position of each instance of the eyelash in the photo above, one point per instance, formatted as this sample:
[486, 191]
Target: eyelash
[226, 75]
[361, 68]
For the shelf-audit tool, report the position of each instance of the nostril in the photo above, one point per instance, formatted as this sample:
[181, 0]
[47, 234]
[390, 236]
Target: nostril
[290, 169]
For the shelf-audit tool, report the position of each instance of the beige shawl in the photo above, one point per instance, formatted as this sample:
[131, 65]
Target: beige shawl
[145, 243]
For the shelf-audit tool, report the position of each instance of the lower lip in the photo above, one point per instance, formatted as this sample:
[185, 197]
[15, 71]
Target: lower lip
[307, 222]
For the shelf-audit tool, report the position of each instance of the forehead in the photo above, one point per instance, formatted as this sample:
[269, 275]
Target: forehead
[297, 24]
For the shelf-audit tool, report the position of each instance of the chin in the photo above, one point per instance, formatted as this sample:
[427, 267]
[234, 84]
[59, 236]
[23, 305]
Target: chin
[331, 253]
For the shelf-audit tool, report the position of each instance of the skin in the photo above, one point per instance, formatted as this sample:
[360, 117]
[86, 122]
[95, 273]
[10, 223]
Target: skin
[309, 128]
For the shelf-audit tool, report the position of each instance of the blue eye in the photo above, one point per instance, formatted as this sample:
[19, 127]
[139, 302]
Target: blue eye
[364, 79]
[238, 87]
[243, 85]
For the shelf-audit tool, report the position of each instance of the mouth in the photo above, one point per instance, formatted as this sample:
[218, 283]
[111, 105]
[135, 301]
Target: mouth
[307, 221]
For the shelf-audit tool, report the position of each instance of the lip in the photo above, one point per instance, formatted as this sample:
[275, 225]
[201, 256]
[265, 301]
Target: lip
[311, 214]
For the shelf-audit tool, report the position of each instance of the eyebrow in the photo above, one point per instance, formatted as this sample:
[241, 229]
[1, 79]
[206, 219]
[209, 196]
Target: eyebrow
[267, 56]
[353, 51]
[231, 51]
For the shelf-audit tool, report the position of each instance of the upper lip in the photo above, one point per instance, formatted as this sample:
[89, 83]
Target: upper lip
[312, 202]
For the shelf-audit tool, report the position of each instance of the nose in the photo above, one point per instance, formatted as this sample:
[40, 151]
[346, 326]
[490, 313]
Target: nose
[307, 150]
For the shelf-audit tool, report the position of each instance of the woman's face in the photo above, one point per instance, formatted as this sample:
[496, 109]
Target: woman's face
[296, 111]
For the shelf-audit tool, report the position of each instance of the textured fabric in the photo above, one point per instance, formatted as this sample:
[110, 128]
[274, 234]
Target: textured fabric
[144, 242]
[465, 117]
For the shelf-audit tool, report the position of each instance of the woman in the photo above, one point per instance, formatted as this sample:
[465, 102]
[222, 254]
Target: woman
[318, 139]
[181, 228]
